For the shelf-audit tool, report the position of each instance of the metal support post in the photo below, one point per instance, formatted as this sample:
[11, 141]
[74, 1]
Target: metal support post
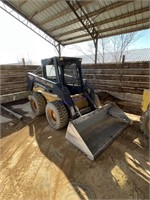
[59, 50]
[96, 48]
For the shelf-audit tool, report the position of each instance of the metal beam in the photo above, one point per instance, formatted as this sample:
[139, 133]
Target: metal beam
[111, 29]
[86, 23]
[59, 50]
[28, 23]
[64, 12]
[46, 6]
[96, 49]
[109, 35]
[21, 3]
[94, 13]
[122, 16]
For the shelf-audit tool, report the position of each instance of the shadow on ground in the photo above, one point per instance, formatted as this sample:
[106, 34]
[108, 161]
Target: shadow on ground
[120, 172]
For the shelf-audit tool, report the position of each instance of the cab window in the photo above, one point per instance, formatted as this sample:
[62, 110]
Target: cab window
[51, 73]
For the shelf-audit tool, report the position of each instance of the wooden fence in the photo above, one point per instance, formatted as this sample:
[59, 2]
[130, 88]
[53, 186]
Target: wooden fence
[124, 81]
[13, 82]
[14, 78]
[128, 77]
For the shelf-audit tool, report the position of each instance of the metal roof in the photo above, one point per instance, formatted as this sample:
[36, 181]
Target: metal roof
[69, 22]
[136, 55]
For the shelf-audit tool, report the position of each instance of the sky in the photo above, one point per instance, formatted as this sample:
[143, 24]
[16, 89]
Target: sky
[17, 42]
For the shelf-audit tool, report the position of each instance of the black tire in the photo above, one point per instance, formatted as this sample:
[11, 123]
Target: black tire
[38, 104]
[145, 123]
[57, 114]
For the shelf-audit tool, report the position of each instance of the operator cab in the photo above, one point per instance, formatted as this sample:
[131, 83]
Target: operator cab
[65, 71]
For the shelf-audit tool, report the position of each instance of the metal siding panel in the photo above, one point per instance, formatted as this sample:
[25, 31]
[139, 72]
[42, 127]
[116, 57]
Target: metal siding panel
[72, 35]
[75, 40]
[30, 7]
[15, 3]
[146, 15]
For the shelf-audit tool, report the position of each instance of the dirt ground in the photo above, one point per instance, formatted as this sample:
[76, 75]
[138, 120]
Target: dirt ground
[38, 163]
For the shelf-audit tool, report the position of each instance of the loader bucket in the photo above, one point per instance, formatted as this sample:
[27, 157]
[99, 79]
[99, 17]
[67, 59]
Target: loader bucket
[92, 133]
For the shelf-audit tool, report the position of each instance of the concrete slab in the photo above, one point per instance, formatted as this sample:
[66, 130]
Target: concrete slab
[21, 107]
[24, 109]
[4, 119]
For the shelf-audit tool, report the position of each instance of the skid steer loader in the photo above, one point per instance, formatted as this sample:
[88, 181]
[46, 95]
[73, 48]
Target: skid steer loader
[67, 99]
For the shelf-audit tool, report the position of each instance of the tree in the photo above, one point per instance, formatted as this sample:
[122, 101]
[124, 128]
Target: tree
[113, 46]
[103, 48]
[89, 51]
[119, 44]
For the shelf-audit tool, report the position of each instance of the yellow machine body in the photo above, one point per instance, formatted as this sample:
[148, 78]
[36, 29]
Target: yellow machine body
[78, 99]
[146, 100]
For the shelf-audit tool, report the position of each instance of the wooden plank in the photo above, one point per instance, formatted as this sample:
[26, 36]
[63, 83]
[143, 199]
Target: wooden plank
[130, 104]
[139, 78]
[107, 76]
[136, 65]
[124, 96]
[12, 89]
[18, 67]
[131, 107]
[13, 73]
[17, 70]
[135, 71]
[14, 84]
[89, 76]
[9, 91]
[117, 89]
[7, 80]
[18, 75]
[120, 83]
[117, 71]
[87, 71]
[13, 96]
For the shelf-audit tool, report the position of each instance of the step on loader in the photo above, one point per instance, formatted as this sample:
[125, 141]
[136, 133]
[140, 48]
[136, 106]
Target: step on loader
[69, 100]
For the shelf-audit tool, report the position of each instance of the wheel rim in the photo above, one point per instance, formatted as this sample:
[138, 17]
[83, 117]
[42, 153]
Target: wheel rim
[51, 116]
[33, 104]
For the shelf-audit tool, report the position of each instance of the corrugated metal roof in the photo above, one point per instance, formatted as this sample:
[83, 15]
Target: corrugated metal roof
[135, 55]
[70, 22]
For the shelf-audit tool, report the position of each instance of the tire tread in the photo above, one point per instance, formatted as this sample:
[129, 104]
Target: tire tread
[41, 103]
[63, 113]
